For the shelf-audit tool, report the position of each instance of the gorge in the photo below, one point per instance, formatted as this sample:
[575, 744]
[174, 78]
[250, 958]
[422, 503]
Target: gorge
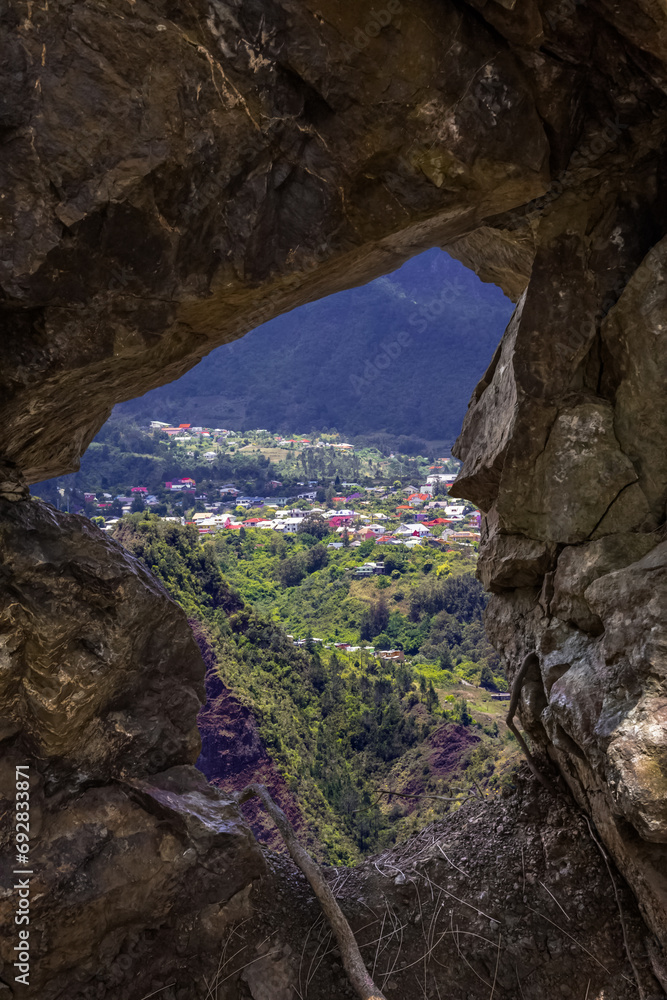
[175, 175]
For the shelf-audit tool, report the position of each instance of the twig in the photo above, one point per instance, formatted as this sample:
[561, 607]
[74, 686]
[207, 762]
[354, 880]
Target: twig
[554, 899]
[618, 904]
[350, 954]
[452, 863]
[553, 924]
[161, 990]
[424, 795]
[481, 913]
[495, 974]
[516, 973]
[517, 686]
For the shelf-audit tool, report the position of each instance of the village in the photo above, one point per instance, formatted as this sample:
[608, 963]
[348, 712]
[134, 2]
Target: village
[347, 513]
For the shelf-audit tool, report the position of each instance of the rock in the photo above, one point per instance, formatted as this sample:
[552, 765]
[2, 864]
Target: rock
[102, 675]
[509, 561]
[173, 177]
[578, 566]
[101, 684]
[179, 210]
[634, 339]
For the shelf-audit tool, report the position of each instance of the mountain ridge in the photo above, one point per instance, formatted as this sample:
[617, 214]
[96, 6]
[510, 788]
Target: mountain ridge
[373, 359]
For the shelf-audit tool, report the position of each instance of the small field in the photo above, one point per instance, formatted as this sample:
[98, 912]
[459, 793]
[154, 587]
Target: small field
[273, 454]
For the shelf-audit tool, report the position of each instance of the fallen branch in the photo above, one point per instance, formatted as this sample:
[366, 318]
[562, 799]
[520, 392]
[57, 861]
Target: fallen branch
[517, 686]
[425, 795]
[349, 950]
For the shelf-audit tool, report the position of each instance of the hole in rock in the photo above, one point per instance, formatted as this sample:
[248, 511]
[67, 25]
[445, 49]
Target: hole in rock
[291, 493]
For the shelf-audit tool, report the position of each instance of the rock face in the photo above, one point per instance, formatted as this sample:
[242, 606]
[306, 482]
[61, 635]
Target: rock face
[173, 175]
[101, 682]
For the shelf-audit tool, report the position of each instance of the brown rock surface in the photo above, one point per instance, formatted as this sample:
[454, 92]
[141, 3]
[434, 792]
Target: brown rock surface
[173, 175]
[101, 683]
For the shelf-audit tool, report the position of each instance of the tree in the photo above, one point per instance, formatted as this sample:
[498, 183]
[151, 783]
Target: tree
[345, 539]
[138, 504]
[431, 697]
[486, 679]
[315, 526]
[445, 659]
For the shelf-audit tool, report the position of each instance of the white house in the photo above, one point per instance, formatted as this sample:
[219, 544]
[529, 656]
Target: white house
[441, 478]
[290, 525]
[156, 424]
[414, 530]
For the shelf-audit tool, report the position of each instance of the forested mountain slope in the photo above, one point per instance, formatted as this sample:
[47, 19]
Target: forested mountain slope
[401, 354]
[330, 731]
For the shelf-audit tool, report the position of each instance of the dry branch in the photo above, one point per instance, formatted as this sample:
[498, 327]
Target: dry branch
[425, 795]
[349, 950]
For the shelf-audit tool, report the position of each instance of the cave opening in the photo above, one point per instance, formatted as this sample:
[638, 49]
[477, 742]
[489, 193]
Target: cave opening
[360, 393]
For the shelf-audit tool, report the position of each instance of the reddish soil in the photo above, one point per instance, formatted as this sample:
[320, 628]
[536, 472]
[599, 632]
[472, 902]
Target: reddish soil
[233, 753]
[447, 746]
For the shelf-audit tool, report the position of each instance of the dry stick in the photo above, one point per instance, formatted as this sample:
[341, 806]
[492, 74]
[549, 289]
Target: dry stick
[517, 686]
[155, 992]
[451, 862]
[618, 904]
[554, 899]
[495, 974]
[349, 950]
[424, 795]
[563, 931]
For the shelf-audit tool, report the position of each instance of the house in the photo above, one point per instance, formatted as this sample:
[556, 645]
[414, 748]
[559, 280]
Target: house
[158, 424]
[138, 489]
[209, 455]
[370, 569]
[290, 525]
[418, 498]
[89, 497]
[441, 478]
[374, 529]
[180, 484]
[463, 536]
[391, 654]
[414, 530]
[340, 520]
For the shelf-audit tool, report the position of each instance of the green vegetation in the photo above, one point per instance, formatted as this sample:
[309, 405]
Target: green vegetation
[125, 454]
[341, 724]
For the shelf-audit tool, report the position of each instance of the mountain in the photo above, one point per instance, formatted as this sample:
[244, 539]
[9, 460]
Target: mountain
[400, 355]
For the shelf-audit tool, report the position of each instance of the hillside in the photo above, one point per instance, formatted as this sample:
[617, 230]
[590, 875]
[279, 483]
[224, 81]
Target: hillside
[400, 355]
[329, 730]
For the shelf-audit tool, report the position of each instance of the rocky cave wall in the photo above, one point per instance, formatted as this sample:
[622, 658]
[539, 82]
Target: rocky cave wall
[173, 175]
